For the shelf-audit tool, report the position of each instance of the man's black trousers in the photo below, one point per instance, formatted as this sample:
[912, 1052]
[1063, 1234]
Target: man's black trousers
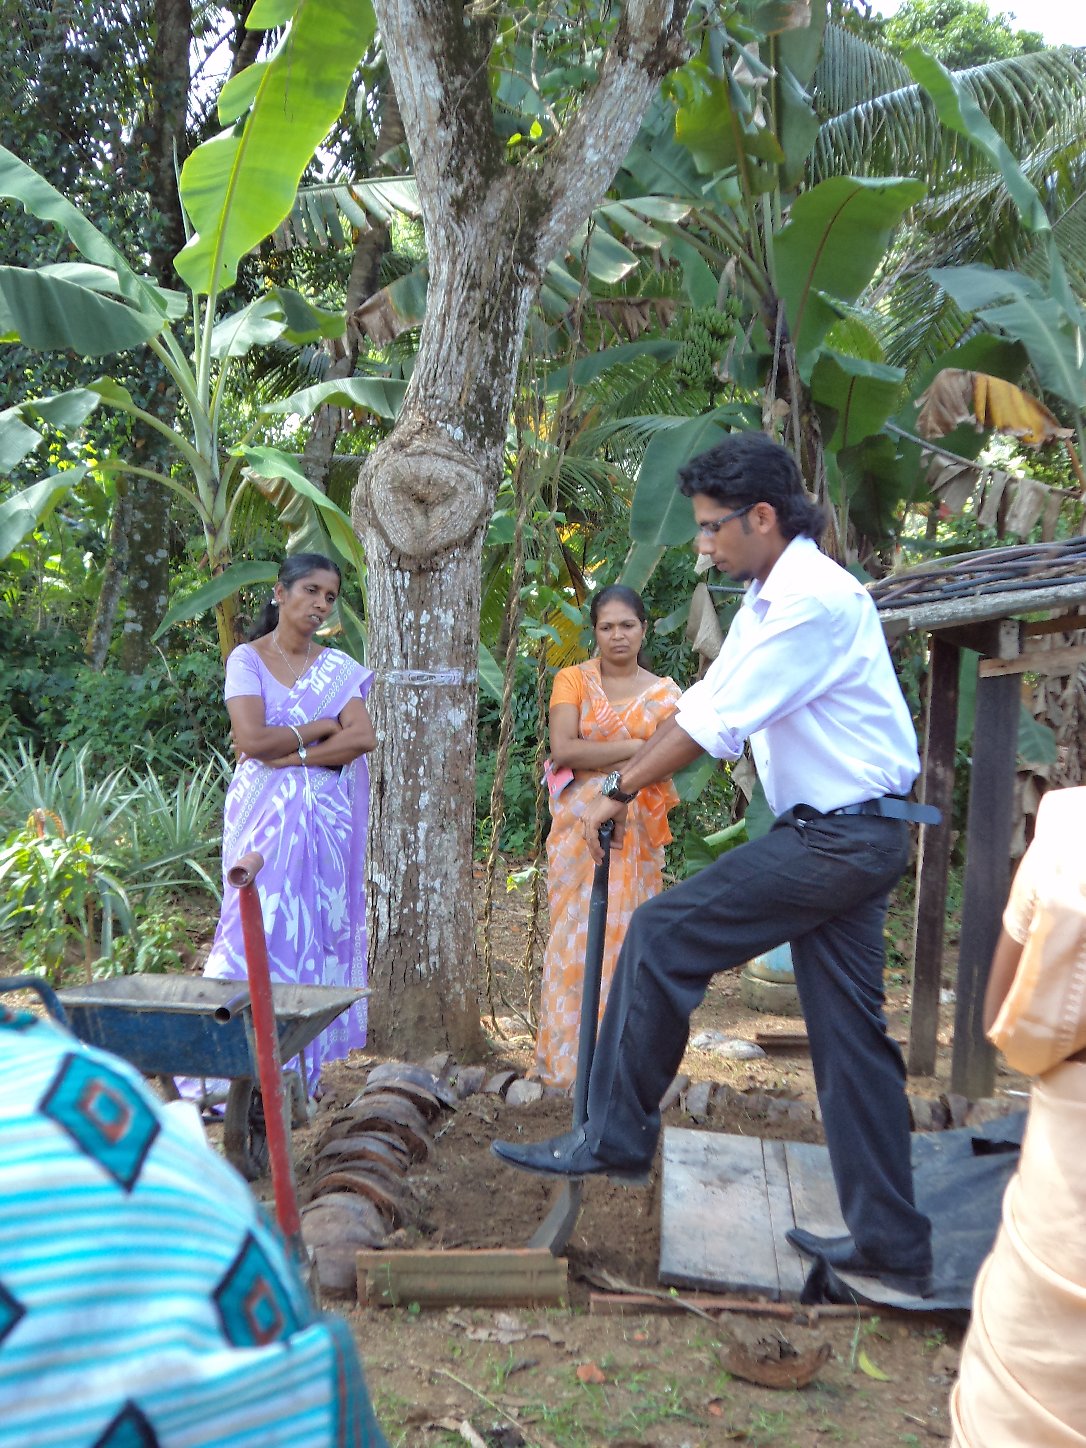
[820, 882]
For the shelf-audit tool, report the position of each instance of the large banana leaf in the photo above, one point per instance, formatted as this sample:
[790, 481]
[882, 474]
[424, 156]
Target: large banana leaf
[240, 185]
[269, 462]
[105, 279]
[56, 315]
[831, 247]
[861, 394]
[382, 395]
[958, 110]
[21, 513]
[1018, 306]
[223, 585]
[19, 182]
[279, 312]
[660, 514]
[65, 410]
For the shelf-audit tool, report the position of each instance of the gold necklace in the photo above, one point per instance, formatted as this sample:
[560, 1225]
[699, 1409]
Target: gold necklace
[282, 655]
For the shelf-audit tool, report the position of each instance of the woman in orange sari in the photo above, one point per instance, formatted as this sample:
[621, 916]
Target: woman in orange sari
[602, 711]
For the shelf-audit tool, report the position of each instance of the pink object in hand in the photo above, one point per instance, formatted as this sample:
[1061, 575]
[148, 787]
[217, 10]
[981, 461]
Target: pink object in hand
[557, 777]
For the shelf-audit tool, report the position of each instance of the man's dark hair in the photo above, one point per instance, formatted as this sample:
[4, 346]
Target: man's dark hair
[749, 467]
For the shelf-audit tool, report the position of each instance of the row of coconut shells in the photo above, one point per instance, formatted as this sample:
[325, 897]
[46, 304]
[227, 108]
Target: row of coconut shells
[356, 1180]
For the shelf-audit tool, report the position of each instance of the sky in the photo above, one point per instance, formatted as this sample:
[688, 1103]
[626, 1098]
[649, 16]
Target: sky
[1061, 22]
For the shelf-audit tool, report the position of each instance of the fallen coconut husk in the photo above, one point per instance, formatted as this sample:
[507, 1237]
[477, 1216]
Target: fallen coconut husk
[395, 1115]
[772, 1362]
[427, 1102]
[367, 1184]
[337, 1227]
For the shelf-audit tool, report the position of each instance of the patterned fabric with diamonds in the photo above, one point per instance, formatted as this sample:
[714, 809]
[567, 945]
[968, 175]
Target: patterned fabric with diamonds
[144, 1300]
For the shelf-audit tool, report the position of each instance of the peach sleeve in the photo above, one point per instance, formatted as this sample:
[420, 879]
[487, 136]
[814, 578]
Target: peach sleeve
[1022, 901]
[568, 688]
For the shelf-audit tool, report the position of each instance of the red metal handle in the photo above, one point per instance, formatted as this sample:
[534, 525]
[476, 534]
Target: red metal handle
[269, 1065]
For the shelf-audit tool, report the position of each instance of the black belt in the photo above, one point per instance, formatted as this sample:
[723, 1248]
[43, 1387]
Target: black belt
[892, 807]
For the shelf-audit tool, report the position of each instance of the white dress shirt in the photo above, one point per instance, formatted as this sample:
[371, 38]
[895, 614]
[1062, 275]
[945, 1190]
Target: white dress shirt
[805, 675]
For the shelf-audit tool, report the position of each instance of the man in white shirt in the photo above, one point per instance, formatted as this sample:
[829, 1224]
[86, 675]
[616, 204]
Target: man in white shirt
[805, 675]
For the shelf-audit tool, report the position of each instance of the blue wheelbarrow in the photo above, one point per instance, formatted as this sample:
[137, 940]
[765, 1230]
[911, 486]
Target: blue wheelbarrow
[176, 1025]
[171, 1025]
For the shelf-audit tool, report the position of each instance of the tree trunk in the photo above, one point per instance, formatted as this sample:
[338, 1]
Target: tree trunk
[421, 510]
[424, 497]
[100, 635]
[147, 597]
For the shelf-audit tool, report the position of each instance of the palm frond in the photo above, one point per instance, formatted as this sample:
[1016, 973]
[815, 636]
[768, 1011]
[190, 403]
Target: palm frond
[852, 70]
[1033, 101]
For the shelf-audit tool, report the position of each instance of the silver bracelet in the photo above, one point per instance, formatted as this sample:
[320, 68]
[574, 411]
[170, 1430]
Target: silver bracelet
[297, 735]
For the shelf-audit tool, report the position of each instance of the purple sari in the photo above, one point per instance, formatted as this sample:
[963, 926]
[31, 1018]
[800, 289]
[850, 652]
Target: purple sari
[309, 824]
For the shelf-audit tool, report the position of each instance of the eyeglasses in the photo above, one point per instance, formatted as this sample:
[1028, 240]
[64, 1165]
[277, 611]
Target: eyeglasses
[708, 530]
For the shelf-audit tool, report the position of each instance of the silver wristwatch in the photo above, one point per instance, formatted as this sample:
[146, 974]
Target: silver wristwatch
[610, 788]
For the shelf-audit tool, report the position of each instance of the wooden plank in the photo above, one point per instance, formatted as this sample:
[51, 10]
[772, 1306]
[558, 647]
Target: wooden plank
[1062, 623]
[987, 876]
[1040, 661]
[791, 1267]
[933, 854]
[814, 1196]
[462, 1277]
[714, 1219]
[782, 1040]
[997, 639]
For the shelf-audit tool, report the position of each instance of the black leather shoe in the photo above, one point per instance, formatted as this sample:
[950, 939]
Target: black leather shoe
[828, 1248]
[568, 1156]
[842, 1254]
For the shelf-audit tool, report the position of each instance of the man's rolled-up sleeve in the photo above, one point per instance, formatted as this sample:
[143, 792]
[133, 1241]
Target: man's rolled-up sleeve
[698, 716]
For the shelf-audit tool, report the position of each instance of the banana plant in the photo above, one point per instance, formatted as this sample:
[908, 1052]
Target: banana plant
[1040, 310]
[236, 189]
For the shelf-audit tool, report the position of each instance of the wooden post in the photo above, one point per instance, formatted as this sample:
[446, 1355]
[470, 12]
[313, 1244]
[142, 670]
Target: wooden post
[987, 875]
[933, 855]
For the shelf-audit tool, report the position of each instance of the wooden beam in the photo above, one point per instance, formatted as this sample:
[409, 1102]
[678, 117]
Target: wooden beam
[524, 1277]
[1062, 623]
[933, 854]
[987, 876]
[996, 639]
[1040, 661]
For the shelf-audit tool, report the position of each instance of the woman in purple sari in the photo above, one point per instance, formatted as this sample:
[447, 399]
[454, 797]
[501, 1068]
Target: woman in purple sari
[300, 796]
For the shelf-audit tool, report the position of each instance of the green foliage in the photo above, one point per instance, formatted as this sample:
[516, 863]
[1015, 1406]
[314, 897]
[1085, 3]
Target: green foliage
[521, 778]
[960, 33]
[59, 889]
[92, 865]
[172, 711]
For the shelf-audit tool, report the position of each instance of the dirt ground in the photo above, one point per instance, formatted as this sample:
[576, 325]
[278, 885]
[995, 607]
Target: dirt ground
[566, 1378]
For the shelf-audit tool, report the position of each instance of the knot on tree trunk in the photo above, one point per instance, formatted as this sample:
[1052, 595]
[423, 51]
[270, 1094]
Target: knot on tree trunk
[422, 491]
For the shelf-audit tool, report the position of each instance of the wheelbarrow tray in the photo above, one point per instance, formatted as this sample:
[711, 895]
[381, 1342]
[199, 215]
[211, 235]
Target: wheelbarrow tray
[166, 1025]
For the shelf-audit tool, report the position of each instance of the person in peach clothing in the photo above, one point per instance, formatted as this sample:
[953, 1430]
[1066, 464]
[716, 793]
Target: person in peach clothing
[1021, 1383]
[602, 711]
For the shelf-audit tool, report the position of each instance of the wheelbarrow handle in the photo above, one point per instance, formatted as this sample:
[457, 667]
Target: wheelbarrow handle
[41, 988]
[269, 1065]
[245, 869]
[593, 975]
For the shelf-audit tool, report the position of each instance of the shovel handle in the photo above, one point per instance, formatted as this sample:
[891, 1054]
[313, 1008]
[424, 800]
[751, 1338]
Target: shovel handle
[593, 974]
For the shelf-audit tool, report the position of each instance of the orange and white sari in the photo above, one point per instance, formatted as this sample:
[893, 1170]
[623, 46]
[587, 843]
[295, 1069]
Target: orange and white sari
[636, 869]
